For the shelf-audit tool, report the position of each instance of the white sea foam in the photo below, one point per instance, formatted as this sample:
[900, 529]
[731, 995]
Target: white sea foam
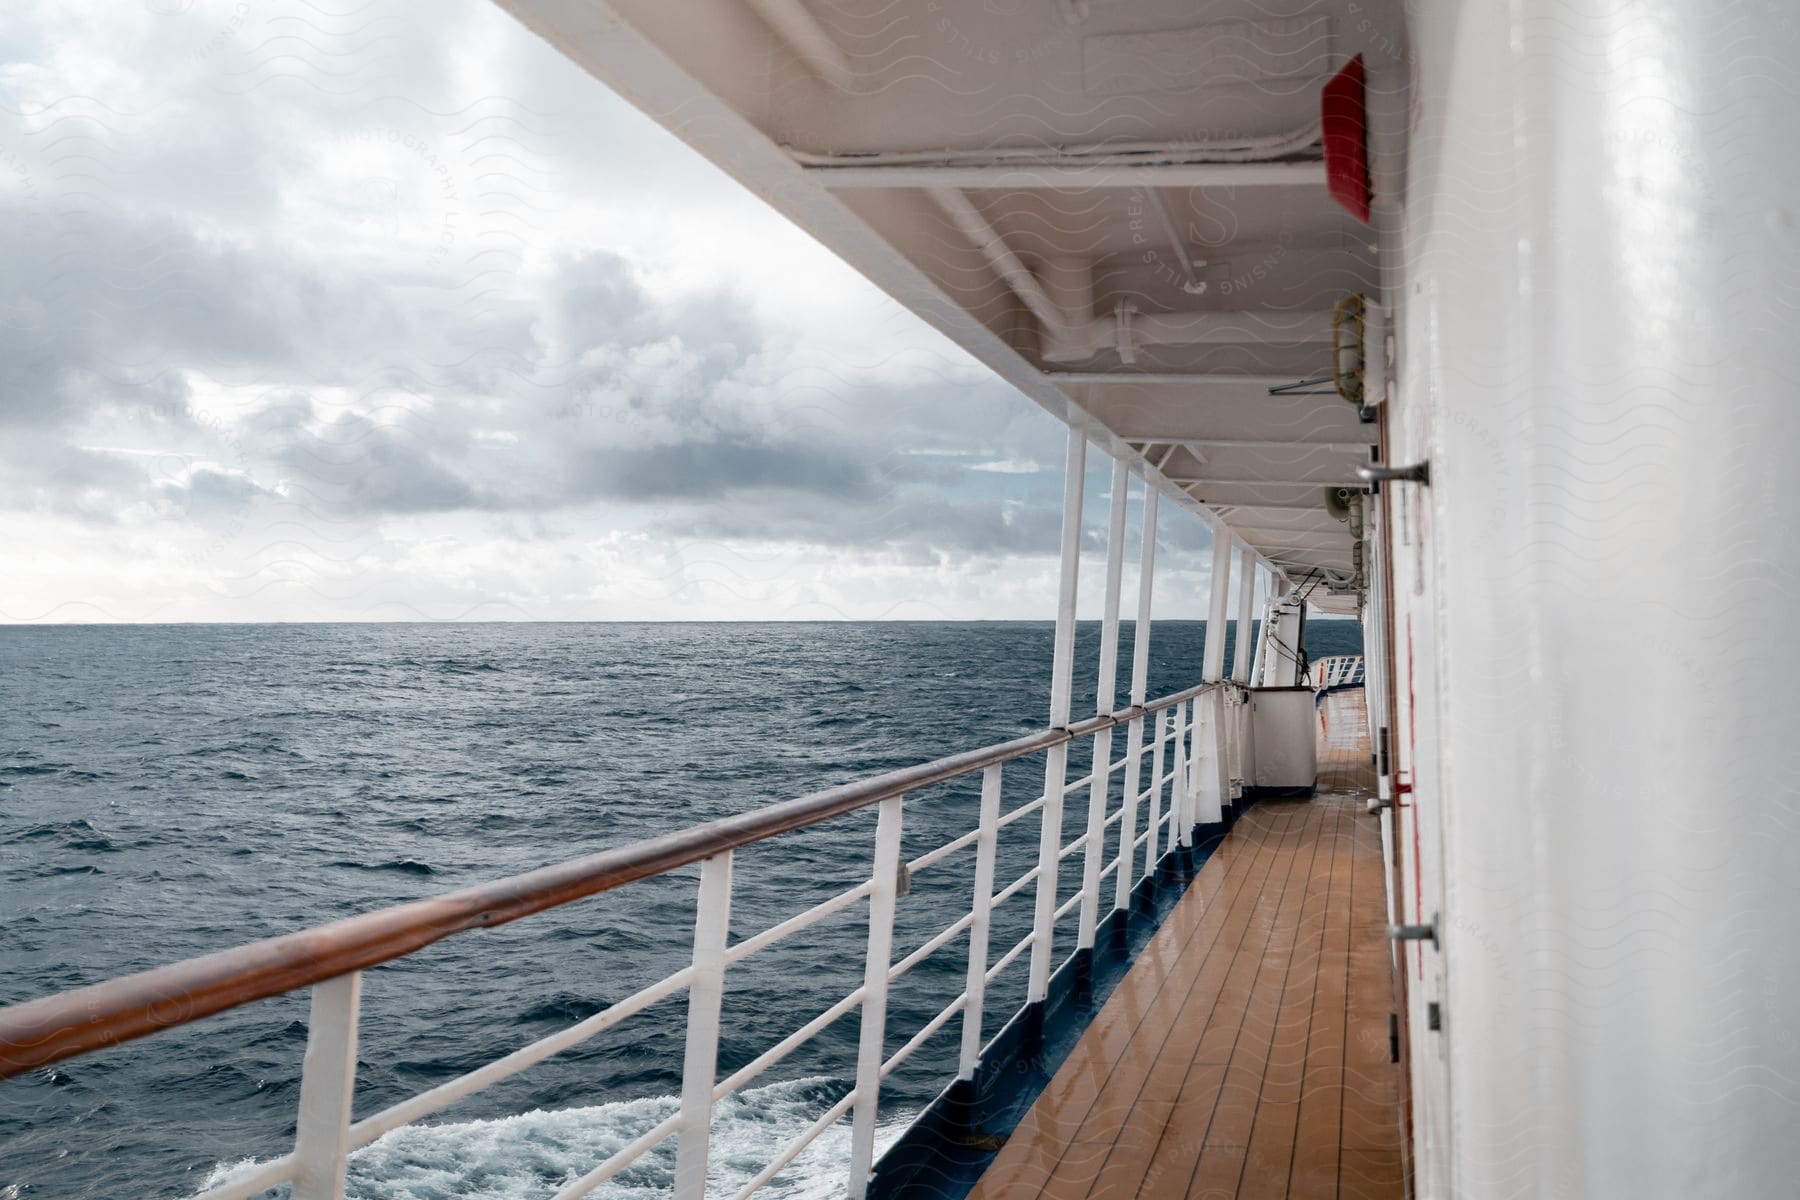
[533, 1153]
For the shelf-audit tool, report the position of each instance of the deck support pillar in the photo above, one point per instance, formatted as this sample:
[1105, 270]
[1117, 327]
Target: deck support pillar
[1105, 690]
[1140, 682]
[1056, 759]
[1246, 613]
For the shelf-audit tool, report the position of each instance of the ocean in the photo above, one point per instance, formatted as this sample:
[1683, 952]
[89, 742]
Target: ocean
[167, 791]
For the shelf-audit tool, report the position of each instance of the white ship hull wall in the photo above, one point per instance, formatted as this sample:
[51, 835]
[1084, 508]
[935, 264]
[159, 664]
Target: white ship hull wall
[1594, 635]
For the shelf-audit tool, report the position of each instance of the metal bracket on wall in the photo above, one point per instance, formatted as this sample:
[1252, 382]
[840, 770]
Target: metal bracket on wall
[1378, 473]
[1416, 933]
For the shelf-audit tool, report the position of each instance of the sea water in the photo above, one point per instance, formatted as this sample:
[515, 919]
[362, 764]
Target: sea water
[167, 791]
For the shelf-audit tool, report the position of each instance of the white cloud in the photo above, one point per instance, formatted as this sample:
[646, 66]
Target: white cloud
[396, 313]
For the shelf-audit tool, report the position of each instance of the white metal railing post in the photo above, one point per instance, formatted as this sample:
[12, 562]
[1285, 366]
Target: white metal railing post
[706, 996]
[327, 1086]
[1056, 759]
[884, 894]
[1227, 744]
[987, 840]
[1140, 671]
[1178, 785]
[1190, 777]
[1151, 850]
[1105, 691]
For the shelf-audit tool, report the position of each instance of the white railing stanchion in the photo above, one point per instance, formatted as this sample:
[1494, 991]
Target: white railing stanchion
[327, 1085]
[706, 995]
[1177, 758]
[1105, 689]
[982, 912]
[1190, 778]
[872, 1044]
[1154, 828]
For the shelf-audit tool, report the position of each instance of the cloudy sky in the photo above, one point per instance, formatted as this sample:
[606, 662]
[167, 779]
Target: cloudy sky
[384, 311]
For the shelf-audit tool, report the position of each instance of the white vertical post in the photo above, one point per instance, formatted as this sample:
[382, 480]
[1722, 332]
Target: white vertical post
[1259, 675]
[981, 913]
[706, 996]
[327, 1086]
[1140, 683]
[1151, 850]
[1213, 664]
[1056, 760]
[1246, 612]
[871, 1048]
[1179, 834]
[1105, 691]
[1208, 801]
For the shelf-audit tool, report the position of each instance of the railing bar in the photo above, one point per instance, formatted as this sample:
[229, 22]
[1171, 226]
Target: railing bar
[1013, 888]
[924, 1035]
[1007, 958]
[271, 1174]
[1114, 819]
[627, 1155]
[446, 1094]
[1072, 847]
[1066, 907]
[787, 1045]
[927, 949]
[831, 1117]
[52, 1028]
[799, 921]
[1024, 810]
[1109, 868]
[944, 851]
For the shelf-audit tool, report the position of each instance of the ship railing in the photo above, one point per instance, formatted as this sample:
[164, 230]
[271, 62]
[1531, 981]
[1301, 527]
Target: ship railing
[1338, 671]
[331, 959]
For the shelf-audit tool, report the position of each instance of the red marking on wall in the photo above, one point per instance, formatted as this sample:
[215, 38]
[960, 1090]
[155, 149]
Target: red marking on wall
[1412, 766]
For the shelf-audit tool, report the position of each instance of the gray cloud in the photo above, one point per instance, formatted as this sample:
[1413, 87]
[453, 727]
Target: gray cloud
[333, 289]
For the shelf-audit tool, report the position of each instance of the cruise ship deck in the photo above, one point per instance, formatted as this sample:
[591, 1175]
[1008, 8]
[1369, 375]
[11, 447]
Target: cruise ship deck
[1246, 1053]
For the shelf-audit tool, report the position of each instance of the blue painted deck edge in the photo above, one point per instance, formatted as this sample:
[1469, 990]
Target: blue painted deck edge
[947, 1148]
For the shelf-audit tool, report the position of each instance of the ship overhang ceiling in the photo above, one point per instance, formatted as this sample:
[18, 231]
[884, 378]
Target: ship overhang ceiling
[1119, 207]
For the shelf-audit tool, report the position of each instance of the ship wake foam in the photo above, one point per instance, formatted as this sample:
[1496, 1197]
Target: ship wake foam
[535, 1153]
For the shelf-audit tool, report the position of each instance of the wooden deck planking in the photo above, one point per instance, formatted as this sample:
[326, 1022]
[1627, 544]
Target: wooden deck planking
[1246, 1052]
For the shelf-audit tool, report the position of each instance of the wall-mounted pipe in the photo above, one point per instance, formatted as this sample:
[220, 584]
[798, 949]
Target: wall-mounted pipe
[1085, 339]
[1110, 151]
[1192, 284]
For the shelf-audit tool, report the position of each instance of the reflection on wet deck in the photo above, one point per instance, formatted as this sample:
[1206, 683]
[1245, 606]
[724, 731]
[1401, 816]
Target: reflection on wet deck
[1246, 1054]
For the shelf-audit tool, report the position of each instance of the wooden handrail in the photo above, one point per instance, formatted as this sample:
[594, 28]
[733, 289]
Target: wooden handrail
[52, 1028]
